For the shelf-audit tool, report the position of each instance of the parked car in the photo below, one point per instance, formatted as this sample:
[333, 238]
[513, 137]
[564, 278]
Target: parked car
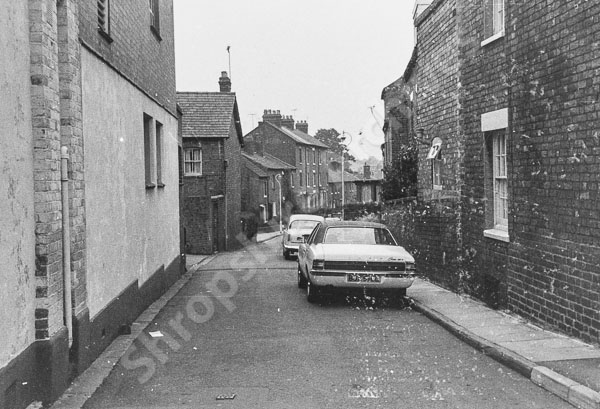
[297, 227]
[353, 255]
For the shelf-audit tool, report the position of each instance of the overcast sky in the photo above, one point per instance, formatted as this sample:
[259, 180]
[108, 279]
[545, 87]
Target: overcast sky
[322, 61]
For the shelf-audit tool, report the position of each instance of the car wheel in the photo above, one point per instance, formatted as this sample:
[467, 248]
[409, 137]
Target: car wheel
[286, 254]
[312, 293]
[301, 279]
[401, 293]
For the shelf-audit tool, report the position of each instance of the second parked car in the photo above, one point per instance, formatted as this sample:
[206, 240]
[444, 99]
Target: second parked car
[298, 226]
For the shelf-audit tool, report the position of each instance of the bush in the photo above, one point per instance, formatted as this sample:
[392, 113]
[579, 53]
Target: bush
[400, 179]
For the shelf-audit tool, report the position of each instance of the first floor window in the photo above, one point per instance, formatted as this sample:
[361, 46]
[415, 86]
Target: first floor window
[494, 14]
[193, 162]
[104, 16]
[154, 15]
[300, 179]
[500, 181]
[435, 156]
[265, 187]
[292, 179]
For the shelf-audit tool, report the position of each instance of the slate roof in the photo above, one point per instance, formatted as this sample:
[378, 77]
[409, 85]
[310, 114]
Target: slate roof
[254, 168]
[300, 137]
[208, 114]
[268, 161]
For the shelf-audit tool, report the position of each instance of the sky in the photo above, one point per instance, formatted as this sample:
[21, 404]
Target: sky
[316, 60]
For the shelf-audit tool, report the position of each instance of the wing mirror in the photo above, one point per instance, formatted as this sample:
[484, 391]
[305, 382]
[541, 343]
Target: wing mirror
[305, 238]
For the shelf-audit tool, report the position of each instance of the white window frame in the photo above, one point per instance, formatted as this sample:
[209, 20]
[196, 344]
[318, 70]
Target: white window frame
[193, 161]
[500, 181]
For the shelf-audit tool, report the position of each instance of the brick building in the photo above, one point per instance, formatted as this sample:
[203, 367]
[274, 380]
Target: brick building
[507, 199]
[276, 136]
[93, 83]
[262, 175]
[212, 140]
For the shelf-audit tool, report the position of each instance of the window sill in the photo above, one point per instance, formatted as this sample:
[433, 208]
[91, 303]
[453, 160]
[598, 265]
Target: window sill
[496, 234]
[156, 33]
[150, 186]
[161, 185]
[105, 35]
[493, 38]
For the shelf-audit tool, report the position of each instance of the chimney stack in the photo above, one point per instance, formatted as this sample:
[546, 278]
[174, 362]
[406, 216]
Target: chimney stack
[367, 171]
[302, 126]
[288, 122]
[272, 116]
[224, 82]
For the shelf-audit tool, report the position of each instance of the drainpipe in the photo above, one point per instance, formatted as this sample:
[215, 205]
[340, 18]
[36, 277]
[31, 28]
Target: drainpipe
[66, 241]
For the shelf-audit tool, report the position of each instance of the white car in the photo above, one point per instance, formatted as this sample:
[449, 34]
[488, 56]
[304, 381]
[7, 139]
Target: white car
[298, 226]
[353, 255]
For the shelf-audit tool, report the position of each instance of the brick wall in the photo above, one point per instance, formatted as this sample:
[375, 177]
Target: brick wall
[554, 256]
[438, 97]
[47, 138]
[133, 49]
[197, 194]
[233, 180]
[483, 88]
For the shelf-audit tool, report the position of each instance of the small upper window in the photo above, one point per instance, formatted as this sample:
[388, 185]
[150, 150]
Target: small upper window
[434, 155]
[494, 14]
[154, 16]
[193, 162]
[104, 16]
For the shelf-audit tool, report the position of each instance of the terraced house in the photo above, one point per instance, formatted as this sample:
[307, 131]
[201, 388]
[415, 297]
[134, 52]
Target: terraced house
[277, 137]
[506, 118]
[89, 209]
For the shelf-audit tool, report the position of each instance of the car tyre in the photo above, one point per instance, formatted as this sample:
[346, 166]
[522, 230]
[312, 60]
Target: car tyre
[286, 254]
[301, 279]
[313, 293]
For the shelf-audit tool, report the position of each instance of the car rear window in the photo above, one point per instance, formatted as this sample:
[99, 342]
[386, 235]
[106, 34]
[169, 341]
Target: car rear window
[303, 224]
[359, 235]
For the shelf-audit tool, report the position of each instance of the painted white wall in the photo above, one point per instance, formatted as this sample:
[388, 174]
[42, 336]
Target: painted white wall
[17, 239]
[130, 231]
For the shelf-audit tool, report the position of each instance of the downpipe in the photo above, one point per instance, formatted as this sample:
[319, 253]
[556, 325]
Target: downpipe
[66, 242]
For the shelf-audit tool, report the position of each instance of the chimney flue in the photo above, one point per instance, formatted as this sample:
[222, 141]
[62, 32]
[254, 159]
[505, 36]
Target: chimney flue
[302, 126]
[224, 82]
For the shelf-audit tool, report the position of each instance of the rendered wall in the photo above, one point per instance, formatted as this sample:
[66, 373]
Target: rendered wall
[131, 231]
[17, 240]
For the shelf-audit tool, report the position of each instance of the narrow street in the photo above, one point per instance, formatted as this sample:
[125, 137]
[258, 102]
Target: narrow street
[241, 334]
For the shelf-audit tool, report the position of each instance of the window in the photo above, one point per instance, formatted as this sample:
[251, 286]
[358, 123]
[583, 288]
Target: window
[314, 156]
[292, 179]
[149, 152]
[493, 20]
[500, 181]
[314, 179]
[193, 162]
[300, 155]
[159, 154]
[300, 179]
[104, 16]
[307, 179]
[265, 187]
[154, 17]
[319, 176]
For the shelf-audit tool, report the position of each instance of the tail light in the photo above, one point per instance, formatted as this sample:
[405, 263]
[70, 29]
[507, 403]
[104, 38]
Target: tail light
[318, 265]
[410, 266]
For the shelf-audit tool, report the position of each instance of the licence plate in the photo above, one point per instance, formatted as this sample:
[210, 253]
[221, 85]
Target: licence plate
[363, 278]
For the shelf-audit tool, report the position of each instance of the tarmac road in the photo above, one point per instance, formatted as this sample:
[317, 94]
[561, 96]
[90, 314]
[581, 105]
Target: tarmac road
[240, 334]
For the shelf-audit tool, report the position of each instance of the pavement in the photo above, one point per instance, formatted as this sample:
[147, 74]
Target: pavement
[564, 366]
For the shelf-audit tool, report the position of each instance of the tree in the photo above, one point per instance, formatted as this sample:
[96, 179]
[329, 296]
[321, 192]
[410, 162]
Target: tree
[330, 138]
[400, 179]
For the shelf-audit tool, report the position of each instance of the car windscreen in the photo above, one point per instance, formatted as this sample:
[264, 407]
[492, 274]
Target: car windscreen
[358, 235]
[303, 224]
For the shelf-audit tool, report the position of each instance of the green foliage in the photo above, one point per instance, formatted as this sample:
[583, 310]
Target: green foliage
[400, 179]
[330, 138]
